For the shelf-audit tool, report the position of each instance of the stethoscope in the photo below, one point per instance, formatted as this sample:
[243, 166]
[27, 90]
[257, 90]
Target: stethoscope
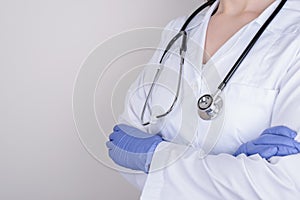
[209, 105]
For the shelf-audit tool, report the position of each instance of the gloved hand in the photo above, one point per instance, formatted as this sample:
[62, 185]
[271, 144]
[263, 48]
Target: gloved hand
[274, 141]
[131, 147]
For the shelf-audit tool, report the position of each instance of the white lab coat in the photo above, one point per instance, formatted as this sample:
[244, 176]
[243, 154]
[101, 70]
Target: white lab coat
[264, 92]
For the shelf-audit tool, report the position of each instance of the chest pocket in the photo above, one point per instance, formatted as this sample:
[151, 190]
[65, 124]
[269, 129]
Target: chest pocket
[248, 110]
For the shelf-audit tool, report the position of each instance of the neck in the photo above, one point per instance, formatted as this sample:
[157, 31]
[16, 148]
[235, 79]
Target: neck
[237, 7]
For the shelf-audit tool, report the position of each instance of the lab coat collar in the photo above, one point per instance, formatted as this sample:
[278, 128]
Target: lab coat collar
[201, 17]
[262, 18]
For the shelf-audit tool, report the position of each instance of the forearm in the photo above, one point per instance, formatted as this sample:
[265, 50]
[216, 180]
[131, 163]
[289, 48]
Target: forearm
[221, 176]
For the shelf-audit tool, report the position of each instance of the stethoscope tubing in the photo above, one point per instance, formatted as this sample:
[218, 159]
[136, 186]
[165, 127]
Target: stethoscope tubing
[182, 33]
[250, 45]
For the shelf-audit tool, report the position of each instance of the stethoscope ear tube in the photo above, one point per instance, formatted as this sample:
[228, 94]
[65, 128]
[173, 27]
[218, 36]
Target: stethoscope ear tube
[196, 12]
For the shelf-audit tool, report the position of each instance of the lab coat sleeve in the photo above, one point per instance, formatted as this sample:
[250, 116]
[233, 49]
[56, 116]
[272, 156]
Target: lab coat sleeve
[176, 175]
[178, 172]
[137, 93]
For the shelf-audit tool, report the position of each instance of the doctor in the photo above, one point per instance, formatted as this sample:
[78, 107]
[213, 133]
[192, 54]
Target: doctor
[257, 154]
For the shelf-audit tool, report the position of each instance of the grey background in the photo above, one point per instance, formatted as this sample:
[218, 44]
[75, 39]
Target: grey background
[42, 45]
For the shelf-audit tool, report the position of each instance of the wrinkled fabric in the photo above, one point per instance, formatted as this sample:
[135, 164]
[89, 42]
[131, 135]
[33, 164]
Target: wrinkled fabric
[264, 92]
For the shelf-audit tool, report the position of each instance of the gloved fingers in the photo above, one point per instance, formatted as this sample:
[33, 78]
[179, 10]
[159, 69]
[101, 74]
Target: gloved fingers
[251, 149]
[243, 149]
[238, 152]
[116, 128]
[297, 145]
[116, 136]
[132, 131]
[267, 152]
[124, 129]
[280, 130]
[117, 132]
[285, 151]
[109, 145]
[113, 156]
[112, 146]
[135, 132]
[268, 139]
[263, 150]
[113, 136]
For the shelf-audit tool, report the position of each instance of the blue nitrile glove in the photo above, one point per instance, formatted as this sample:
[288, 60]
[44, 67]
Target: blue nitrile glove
[131, 147]
[274, 141]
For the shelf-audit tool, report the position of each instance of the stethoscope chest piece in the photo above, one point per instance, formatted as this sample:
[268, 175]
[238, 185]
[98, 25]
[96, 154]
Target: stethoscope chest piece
[209, 106]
